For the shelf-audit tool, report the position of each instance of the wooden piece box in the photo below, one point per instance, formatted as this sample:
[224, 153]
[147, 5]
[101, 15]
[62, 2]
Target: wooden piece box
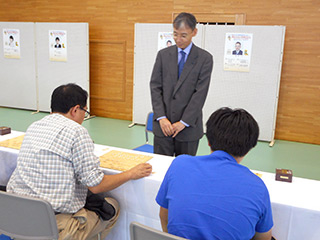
[5, 130]
[284, 175]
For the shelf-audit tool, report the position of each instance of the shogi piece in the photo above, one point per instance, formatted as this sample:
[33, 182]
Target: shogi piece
[284, 175]
[5, 130]
[122, 161]
[14, 143]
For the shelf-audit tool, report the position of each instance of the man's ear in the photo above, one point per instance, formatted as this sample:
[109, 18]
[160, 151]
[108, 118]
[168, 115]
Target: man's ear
[73, 110]
[210, 147]
[195, 31]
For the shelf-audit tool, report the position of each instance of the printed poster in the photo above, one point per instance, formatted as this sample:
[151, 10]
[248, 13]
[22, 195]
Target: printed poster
[58, 45]
[11, 43]
[238, 50]
[165, 39]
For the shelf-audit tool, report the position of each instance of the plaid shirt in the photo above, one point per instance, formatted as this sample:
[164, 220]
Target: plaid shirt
[56, 163]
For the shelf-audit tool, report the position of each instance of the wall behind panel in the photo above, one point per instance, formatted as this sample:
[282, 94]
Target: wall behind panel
[112, 32]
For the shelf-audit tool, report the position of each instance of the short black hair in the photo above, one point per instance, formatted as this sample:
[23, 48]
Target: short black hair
[11, 37]
[233, 131]
[185, 18]
[57, 39]
[67, 96]
[238, 43]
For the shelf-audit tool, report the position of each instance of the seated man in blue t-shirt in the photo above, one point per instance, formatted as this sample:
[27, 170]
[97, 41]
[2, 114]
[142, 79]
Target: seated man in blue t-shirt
[213, 196]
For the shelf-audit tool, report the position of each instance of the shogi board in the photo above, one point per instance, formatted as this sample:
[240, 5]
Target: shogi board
[122, 161]
[14, 143]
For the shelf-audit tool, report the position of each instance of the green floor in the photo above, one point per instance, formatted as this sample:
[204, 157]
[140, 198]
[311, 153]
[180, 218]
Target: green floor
[303, 159]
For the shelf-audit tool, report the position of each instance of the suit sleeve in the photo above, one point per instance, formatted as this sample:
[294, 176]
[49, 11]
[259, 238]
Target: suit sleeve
[195, 105]
[156, 88]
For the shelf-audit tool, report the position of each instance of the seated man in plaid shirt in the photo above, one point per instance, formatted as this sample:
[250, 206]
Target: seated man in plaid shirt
[56, 163]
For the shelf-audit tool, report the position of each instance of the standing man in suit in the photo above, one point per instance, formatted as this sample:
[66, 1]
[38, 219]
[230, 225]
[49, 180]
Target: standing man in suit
[237, 51]
[179, 86]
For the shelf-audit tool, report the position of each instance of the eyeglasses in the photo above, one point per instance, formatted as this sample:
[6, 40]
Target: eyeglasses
[87, 114]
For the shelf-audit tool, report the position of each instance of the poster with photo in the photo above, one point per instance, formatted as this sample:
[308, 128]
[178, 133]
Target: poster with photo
[11, 43]
[237, 52]
[165, 39]
[58, 45]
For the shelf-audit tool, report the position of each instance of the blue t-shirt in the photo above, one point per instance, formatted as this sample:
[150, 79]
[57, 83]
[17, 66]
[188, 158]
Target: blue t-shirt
[214, 197]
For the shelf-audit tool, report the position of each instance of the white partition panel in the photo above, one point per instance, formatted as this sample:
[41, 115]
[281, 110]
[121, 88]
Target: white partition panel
[51, 74]
[18, 76]
[256, 90]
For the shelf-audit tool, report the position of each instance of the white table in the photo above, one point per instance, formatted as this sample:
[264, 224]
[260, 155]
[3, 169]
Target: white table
[8, 158]
[296, 205]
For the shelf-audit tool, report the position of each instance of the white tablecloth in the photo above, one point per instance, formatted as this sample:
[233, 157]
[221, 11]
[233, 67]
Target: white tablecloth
[296, 205]
[8, 158]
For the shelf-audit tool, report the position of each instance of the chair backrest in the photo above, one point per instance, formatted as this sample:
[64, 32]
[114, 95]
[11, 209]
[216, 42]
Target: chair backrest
[27, 218]
[139, 231]
[149, 123]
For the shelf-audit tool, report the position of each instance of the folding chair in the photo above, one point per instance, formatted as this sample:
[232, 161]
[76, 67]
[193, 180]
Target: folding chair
[139, 231]
[27, 218]
[147, 147]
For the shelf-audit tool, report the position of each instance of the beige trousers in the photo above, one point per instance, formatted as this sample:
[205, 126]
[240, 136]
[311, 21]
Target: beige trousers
[85, 224]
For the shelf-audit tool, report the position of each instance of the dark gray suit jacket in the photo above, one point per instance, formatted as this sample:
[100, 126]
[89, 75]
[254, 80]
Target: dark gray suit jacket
[183, 98]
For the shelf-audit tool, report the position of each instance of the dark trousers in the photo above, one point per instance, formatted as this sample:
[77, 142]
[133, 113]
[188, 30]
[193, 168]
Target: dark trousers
[171, 147]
